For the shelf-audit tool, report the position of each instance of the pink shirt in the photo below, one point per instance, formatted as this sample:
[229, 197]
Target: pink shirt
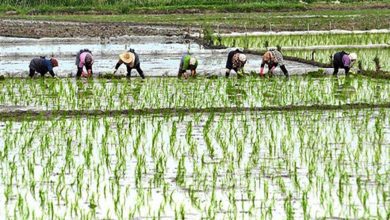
[82, 59]
[346, 61]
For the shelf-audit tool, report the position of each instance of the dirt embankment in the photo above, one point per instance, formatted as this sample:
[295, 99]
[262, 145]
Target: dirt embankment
[39, 29]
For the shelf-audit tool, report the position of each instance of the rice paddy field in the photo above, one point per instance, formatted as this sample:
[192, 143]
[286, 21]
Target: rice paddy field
[311, 146]
[192, 153]
[202, 93]
[367, 45]
[229, 165]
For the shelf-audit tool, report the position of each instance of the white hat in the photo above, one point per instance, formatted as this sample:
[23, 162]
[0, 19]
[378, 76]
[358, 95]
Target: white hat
[353, 56]
[242, 57]
[192, 61]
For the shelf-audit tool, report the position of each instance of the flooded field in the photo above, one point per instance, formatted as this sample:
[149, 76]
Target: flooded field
[273, 165]
[159, 56]
[311, 146]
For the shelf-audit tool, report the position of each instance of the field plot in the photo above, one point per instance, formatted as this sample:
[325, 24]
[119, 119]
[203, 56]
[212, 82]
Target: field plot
[175, 160]
[323, 46]
[200, 93]
[306, 146]
[274, 165]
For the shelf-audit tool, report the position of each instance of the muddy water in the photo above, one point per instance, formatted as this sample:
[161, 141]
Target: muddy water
[160, 56]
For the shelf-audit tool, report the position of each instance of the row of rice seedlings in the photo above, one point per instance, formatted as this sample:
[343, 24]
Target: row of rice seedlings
[263, 42]
[264, 166]
[69, 94]
[365, 56]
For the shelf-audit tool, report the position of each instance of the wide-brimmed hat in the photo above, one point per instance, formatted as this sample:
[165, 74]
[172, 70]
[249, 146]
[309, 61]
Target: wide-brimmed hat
[353, 56]
[127, 57]
[242, 57]
[54, 62]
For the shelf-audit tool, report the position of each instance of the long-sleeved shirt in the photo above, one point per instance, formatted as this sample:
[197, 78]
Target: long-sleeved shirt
[82, 59]
[185, 62]
[346, 61]
[233, 61]
[342, 59]
[272, 58]
[42, 66]
[133, 64]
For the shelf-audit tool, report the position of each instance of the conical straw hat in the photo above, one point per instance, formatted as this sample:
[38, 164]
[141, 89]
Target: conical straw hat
[127, 57]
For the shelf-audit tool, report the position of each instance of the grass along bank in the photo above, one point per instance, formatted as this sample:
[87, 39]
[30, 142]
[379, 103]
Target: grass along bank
[363, 19]
[182, 6]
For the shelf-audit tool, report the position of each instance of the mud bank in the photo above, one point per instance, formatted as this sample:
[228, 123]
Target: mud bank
[39, 29]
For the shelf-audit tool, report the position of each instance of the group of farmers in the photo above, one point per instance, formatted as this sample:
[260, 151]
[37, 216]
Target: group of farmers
[236, 61]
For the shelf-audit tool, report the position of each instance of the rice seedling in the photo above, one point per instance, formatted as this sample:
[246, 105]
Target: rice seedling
[366, 56]
[298, 46]
[302, 164]
[296, 40]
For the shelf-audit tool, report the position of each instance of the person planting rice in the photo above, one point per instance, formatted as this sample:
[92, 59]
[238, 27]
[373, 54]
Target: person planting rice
[343, 60]
[42, 66]
[236, 61]
[131, 60]
[188, 62]
[84, 58]
[273, 58]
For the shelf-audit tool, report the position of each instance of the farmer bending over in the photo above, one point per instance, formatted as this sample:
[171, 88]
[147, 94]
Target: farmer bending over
[273, 58]
[131, 60]
[343, 60]
[84, 58]
[188, 63]
[42, 66]
[236, 61]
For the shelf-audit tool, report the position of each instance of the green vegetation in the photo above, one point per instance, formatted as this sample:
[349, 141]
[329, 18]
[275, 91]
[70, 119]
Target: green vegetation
[271, 165]
[144, 3]
[304, 40]
[147, 6]
[121, 94]
[296, 46]
[120, 6]
[366, 56]
[200, 148]
[195, 148]
[361, 19]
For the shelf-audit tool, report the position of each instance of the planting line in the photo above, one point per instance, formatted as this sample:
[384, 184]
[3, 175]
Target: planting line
[44, 114]
[326, 47]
